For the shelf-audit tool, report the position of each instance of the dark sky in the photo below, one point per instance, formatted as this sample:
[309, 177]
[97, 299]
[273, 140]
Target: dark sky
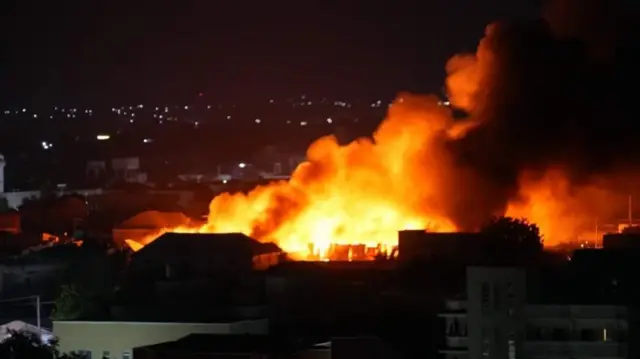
[100, 52]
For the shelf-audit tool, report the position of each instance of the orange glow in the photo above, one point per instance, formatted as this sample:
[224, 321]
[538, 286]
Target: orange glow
[404, 177]
[564, 213]
[361, 193]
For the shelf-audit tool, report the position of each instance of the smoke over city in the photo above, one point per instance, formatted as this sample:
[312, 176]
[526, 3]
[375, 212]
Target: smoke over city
[552, 100]
[547, 137]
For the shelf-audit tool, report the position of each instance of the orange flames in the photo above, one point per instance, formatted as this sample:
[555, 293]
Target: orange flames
[362, 193]
[404, 177]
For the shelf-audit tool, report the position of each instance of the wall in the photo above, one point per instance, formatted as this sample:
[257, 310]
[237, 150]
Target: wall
[118, 337]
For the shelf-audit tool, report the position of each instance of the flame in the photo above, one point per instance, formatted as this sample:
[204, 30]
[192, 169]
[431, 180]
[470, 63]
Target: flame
[405, 177]
[358, 194]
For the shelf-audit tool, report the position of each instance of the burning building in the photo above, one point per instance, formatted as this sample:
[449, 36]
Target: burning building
[526, 148]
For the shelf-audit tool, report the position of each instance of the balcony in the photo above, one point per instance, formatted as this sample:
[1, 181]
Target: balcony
[457, 342]
[576, 311]
[546, 349]
[454, 308]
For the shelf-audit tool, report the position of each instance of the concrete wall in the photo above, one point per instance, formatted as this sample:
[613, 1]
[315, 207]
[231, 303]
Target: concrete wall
[120, 337]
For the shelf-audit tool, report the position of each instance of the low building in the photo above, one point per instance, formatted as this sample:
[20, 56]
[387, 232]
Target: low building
[206, 346]
[118, 339]
[148, 223]
[496, 321]
[181, 255]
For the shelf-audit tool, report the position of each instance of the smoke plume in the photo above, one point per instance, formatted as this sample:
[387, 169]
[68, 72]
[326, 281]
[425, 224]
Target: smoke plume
[553, 103]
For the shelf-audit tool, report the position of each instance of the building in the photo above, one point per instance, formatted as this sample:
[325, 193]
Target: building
[10, 222]
[421, 245]
[497, 321]
[621, 241]
[206, 254]
[197, 277]
[204, 346]
[148, 223]
[127, 169]
[118, 339]
[2, 164]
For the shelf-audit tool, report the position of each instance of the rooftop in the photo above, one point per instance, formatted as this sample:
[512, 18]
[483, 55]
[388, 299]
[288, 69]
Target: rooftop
[209, 343]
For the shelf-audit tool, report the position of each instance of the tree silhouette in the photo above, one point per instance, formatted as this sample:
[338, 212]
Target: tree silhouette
[515, 233]
[71, 304]
[27, 345]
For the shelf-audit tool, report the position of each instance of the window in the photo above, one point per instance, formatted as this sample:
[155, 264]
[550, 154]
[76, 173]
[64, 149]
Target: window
[496, 297]
[126, 355]
[512, 346]
[512, 349]
[510, 294]
[486, 347]
[486, 295]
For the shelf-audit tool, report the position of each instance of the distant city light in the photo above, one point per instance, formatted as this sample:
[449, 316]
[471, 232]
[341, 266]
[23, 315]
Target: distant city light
[147, 140]
[303, 123]
[46, 145]
[103, 137]
[258, 120]
[242, 165]
[329, 120]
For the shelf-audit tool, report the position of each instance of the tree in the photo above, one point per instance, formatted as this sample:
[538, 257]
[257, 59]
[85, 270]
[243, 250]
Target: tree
[27, 345]
[516, 233]
[71, 304]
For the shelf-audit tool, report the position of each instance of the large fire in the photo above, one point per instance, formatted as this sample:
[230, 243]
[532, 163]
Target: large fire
[405, 177]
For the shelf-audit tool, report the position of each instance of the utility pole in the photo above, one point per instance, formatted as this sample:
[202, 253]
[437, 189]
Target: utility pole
[30, 298]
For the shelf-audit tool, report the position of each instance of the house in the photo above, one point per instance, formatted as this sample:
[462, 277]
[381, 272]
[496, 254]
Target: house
[118, 339]
[205, 254]
[147, 223]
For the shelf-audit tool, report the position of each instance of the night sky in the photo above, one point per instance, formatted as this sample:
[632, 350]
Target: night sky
[105, 52]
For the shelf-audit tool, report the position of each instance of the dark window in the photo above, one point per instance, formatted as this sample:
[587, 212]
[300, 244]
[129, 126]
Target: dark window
[486, 295]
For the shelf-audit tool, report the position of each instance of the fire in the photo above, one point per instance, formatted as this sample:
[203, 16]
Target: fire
[358, 194]
[408, 175]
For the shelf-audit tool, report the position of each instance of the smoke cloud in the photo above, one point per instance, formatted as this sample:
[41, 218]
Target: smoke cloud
[553, 103]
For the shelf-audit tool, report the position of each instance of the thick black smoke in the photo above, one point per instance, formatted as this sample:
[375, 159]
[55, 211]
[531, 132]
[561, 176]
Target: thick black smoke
[560, 91]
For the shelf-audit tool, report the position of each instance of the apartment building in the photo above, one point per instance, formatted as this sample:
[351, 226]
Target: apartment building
[496, 321]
